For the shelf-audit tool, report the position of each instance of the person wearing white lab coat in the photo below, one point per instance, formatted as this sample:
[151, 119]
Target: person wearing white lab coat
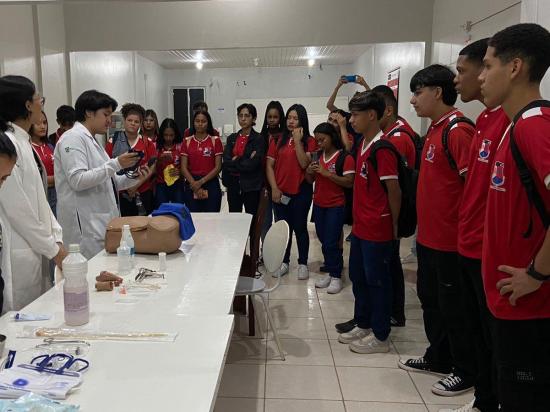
[34, 237]
[85, 176]
[8, 157]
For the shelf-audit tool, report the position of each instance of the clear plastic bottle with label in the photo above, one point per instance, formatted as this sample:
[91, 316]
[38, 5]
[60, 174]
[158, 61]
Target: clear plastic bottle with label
[124, 259]
[127, 237]
[76, 295]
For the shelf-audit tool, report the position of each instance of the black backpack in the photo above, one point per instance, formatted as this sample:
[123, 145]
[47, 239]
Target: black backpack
[339, 165]
[525, 175]
[417, 141]
[408, 178]
[445, 138]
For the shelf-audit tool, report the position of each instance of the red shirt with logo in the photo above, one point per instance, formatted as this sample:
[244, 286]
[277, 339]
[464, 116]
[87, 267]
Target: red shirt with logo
[490, 127]
[45, 152]
[289, 175]
[439, 187]
[240, 145]
[402, 141]
[508, 215]
[201, 155]
[142, 144]
[372, 218]
[327, 193]
[174, 158]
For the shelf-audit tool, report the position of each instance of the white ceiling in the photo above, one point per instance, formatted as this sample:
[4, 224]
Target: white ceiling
[266, 57]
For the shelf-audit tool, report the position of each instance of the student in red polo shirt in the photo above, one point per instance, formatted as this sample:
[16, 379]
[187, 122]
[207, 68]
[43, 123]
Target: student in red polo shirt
[272, 129]
[376, 205]
[287, 161]
[329, 200]
[516, 243]
[440, 187]
[392, 124]
[490, 126]
[201, 164]
[243, 167]
[199, 106]
[150, 128]
[138, 200]
[44, 150]
[169, 157]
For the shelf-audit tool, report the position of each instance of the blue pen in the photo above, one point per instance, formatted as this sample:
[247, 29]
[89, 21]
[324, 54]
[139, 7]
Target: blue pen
[10, 360]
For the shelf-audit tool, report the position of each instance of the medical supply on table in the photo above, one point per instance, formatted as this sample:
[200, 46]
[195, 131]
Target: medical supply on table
[31, 402]
[10, 359]
[25, 378]
[180, 212]
[75, 289]
[124, 256]
[59, 362]
[162, 262]
[145, 273]
[29, 317]
[72, 347]
[89, 334]
[105, 276]
[2, 344]
[127, 237]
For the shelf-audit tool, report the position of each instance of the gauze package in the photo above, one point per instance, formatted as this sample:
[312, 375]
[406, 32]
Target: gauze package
[31, 402]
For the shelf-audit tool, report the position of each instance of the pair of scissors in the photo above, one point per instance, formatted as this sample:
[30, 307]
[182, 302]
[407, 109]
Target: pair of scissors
[59, 362]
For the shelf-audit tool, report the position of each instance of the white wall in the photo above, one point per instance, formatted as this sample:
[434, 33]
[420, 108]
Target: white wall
[243, 23]
[52, 51]
[17, 50]
[449, 37]
[222, 89]
[538, 11]
[120, 75]
[375, 64]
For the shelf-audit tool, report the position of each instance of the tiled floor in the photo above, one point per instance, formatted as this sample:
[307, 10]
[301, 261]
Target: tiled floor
[320, 374]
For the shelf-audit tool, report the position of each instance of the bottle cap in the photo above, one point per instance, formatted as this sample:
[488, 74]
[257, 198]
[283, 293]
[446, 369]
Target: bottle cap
[74, 248]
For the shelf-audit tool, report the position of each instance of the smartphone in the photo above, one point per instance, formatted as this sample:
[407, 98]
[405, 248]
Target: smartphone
[314, 157]
[151, 161]
[352, 78]
[285, 200]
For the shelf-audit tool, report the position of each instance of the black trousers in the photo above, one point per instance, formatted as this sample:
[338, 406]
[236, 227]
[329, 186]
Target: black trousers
[236, 199]
[439, 286]
[478, 327]
[522, 354]
[129, 208]
[398, 284]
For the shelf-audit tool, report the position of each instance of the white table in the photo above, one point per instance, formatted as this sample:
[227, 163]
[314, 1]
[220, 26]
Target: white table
[195, 303]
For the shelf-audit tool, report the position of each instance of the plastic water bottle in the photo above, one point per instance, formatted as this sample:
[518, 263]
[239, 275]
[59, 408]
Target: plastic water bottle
[127, 237]
[124, 258]
[76, 297]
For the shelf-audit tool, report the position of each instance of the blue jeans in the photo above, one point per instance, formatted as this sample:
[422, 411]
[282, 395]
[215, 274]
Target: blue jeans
[329, 222]
[369, 271]
[169, 194]
[295, 214]
[211, 205]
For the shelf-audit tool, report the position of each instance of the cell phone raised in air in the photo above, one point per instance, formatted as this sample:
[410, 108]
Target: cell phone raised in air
[352, 78]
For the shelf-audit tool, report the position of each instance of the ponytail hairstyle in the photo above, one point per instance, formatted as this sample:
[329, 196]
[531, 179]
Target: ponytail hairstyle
[15, 92]
[303, 123]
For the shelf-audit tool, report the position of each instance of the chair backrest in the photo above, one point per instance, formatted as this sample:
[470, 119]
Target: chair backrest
[256, 228]
[274, 246]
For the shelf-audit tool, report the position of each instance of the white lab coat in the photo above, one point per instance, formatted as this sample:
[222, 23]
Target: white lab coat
[32, 231]
[84, 176]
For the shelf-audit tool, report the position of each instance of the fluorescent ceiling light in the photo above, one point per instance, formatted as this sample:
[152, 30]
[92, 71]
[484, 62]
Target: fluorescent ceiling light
[199, 65]
[311, 62]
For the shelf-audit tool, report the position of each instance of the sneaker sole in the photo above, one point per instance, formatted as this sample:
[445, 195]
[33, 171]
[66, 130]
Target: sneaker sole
[321, 287]
[347, 341]
[367, 351]
[282, 274]
[334, 292]
[449, 394]
[409, 369]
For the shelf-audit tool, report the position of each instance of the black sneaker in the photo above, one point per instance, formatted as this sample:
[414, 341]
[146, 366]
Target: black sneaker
[421, 365]
[452, 385]
[397, 323]
[345, 327]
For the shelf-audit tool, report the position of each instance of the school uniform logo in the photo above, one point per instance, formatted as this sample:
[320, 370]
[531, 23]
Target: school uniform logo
[430, 154]
[332, 168]
[207, 152]
[484, 151]
[498, 178]
[364, 170]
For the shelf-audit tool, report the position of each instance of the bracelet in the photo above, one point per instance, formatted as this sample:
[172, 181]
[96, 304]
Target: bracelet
[531, 271]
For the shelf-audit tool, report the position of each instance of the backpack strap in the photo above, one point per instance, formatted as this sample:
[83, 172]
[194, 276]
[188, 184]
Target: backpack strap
[384, 144]
[339, 165]
[525, 175]
[445, 138]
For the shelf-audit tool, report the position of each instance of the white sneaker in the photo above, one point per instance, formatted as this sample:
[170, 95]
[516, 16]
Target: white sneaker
[410, 258]
[303, 272]
[370, 344]
[335, 286]
[355, 334]
[283, 270]
[323, 282]
[469, 407]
